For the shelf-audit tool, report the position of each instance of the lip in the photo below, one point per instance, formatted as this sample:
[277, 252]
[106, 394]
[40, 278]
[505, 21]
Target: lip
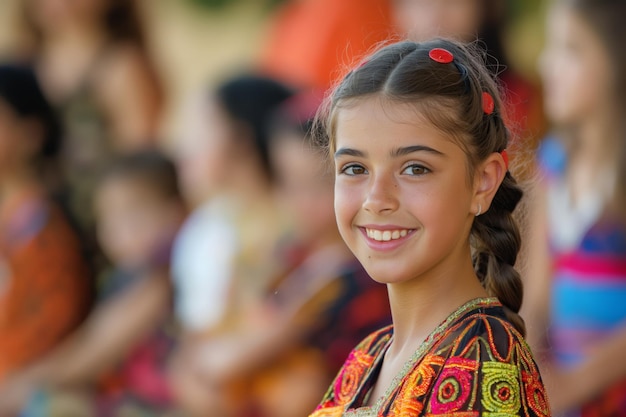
[385, 246]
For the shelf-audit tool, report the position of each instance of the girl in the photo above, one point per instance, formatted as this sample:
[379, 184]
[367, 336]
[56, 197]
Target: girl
[578, 286]
[223, 257]
[424, 200]
[45, 281]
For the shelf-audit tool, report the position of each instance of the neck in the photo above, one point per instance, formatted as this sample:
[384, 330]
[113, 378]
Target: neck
[420, 305]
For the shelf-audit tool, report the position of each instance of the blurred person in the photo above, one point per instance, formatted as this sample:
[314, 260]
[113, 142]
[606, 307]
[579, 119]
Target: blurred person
[483, 20]
[576, 281]
[93, 60]
[45, 281]
[311, 42]
[282, 352]
[115, 362]
[223, 256]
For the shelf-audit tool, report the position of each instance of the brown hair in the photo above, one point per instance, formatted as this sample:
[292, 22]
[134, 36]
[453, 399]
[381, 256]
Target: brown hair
[606, 20]
[450, 97]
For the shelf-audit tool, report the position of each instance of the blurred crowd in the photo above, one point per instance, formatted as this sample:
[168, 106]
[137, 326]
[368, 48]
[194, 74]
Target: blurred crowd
[203, 275]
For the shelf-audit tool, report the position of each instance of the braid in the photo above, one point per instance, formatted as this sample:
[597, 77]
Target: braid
[497, 243]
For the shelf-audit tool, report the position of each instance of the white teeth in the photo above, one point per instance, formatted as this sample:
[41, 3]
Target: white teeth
[386, 235]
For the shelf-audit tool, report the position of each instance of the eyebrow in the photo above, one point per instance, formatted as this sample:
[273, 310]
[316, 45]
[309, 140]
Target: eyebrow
[415, 148]
[406, 150]
[349, 152]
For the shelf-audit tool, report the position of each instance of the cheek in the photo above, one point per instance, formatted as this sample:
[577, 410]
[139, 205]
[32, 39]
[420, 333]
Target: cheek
[347, 204]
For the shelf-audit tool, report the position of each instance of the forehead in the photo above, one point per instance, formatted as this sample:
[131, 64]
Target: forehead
[382, 123]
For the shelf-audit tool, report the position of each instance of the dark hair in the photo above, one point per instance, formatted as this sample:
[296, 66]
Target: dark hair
[150, 167]
[297, 113]
[606, 20]
[450, 97]
[251, 100]
[20, 90]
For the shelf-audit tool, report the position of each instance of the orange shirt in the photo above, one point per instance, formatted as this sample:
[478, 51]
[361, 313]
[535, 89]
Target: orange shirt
[44, 281]
[313, 42]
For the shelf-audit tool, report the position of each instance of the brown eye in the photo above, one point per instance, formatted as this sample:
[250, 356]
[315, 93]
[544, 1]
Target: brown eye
[354, 170]
[416, 169]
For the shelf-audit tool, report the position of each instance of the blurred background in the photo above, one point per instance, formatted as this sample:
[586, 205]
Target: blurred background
[198, 41]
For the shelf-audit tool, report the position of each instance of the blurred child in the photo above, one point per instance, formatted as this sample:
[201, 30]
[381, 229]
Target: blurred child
[45, 281]
[281, 353]
[223, 256]
[226, 177]
[118, 354]
[576, 304]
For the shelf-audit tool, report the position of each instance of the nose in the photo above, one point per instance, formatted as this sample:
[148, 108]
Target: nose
[382, 195]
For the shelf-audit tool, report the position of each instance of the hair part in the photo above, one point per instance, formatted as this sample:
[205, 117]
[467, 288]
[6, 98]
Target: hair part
[448, 95]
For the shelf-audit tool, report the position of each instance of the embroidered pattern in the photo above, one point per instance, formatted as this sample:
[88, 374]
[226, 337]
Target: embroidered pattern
[475, 363]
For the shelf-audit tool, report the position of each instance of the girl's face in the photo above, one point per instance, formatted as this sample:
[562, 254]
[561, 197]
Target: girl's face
[134, 223]
[575, 68]
[304, 184]
[203, 153]
[402, 196]
[424, 19]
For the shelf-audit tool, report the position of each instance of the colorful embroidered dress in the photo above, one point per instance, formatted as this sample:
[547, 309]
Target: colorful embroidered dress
[474, 364]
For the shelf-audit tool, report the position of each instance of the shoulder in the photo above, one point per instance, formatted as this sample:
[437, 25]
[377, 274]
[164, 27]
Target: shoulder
[482, 365]
[356, 367]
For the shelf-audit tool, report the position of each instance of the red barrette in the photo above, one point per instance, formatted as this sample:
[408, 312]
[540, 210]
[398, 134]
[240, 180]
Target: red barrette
[505, 156]
[488, 104]
[443, 56]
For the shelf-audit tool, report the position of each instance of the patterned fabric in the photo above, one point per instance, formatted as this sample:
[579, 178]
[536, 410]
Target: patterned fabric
[475, 363]
[45, 284]
[588, 296]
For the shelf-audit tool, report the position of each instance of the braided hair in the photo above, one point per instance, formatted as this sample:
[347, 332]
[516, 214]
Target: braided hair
[450, 96]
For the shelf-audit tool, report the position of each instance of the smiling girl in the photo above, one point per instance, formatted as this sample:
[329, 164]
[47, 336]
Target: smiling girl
[424, 199]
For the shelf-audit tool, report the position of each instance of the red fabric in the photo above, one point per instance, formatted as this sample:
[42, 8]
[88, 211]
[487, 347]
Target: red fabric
[47, 282]
[313, 42]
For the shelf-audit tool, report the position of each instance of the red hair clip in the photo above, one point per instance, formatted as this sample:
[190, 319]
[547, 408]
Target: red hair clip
[488, 104]
[505, 156]
[443, 56]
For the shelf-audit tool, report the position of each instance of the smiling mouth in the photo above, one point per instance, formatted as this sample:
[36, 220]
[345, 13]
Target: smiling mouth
[386, 235]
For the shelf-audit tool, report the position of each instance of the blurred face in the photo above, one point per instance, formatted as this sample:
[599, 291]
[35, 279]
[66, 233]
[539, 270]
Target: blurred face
[204, 150]
[134, 223]
[421, 20]
[575, 69]
[305, 185]
[402, 199]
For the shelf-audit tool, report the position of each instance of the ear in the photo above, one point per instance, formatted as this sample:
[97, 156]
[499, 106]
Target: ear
[487, 179]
